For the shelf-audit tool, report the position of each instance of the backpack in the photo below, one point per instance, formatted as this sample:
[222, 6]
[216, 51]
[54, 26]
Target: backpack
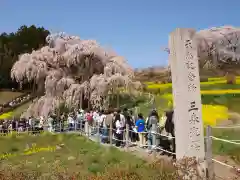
[103, 121]
[117, 117]
[89, 118]
[169, 125]
[152, 120]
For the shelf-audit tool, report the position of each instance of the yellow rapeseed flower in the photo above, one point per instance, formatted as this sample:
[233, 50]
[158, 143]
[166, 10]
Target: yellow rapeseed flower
[216, 78]
[159, 86]
[221, 91]
[152, 85]
[211, 114]
[6, 115]
[209, 92]
[220, 78]
[30, 151]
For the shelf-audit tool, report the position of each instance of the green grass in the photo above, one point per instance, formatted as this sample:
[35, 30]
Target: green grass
[224, 148]
[77, 155]
[6, 96]
[19, 110]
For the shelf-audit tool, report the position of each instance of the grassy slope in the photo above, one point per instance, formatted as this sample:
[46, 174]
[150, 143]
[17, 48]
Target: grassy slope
[19, 110]
[6, 96]
[80, 156]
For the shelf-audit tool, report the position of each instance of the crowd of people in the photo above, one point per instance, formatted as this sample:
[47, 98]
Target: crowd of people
[103, 123]
[19, 100]
[14, 102]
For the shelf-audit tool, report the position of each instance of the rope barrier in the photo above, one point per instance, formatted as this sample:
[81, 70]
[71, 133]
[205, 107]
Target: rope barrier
[222, 163]
[236, 170]
[155, 133]
[226, 127]
[165, 150]
[235, 140]
[152, 147]
[224, 140]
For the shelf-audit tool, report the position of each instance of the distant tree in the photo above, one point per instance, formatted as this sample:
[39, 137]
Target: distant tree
[12, 45]
[151, 73]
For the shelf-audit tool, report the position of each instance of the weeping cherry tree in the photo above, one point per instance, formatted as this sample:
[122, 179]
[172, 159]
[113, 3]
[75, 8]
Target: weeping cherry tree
[218, 48]
[69, 69]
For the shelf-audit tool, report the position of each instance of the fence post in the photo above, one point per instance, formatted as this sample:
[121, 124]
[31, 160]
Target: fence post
[98, 132]
[80, 128]
[17, 127]
[127, 136]
[210, 166]
[60, 126]
[110, 134]
[86, 131]
[153, 132]
[75, 125]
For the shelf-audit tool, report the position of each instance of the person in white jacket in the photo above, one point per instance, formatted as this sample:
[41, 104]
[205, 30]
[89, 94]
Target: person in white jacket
[50, 123]
[119, 130]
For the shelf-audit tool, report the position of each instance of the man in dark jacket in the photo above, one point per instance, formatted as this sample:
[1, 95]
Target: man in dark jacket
[170, 128]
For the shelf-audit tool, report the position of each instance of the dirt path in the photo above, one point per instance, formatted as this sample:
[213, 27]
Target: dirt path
[225, 172]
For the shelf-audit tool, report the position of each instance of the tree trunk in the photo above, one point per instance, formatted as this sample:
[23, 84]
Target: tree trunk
[118, 97]
[89, 76]
[231, 78]
[81, 97]
[34, 87]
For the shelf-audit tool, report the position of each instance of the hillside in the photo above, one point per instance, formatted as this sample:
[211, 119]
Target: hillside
[162, 74]
[156, 73]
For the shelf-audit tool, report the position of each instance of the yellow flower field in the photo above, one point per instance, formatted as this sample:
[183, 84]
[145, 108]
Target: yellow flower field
[220, 78]
[221, 91]
[159, 86]
[211, 114]
[152, 85]
[210, 92]
[6, 115]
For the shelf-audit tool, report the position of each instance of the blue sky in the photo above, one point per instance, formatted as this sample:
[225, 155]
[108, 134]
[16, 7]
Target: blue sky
[135, 29]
